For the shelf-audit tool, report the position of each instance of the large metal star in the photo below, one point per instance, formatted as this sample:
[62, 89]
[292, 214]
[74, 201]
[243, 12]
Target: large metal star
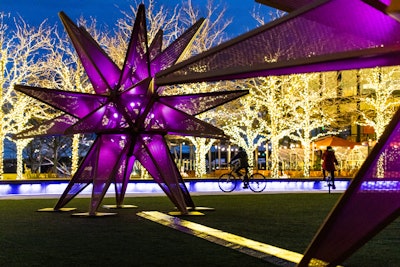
[128, 115]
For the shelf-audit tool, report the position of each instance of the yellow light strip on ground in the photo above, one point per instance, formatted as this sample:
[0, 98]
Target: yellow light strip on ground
[275, 255]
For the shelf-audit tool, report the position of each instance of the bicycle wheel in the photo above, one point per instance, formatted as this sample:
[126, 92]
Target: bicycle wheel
[257, 182]
[227, 182]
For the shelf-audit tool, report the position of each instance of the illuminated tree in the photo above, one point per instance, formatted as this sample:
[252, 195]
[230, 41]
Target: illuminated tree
[379, 102]
[307, 95]
[202, 145]
[243, 123]
[269, 93]
[21, 51]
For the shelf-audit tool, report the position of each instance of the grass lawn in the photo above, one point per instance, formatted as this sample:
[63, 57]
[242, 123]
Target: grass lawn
[30, 238]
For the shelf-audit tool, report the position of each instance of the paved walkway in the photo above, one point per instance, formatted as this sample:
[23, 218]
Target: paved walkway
[278, 256]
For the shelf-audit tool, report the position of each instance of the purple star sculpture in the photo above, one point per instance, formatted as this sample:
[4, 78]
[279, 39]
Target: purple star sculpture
[128, 115]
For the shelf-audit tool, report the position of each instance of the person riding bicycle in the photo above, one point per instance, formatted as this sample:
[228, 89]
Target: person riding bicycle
[240, 161]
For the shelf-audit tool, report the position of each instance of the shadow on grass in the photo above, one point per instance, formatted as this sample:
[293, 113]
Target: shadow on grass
[30, 238]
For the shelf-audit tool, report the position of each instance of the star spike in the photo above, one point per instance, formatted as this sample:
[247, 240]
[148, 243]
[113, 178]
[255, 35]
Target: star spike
[101, 70]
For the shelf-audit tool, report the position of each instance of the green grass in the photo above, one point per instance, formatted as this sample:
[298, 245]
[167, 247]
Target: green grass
[30, 238]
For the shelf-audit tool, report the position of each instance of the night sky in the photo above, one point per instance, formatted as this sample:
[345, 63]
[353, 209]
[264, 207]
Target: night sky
[108, 11]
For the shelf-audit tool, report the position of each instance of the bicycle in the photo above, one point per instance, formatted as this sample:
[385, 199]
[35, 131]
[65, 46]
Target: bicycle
[227, 182]
[329, 183]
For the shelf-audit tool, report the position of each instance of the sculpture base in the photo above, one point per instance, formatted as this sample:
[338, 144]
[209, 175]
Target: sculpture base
[189, 213]
[119, 206]
[97, 214]
[56, 210]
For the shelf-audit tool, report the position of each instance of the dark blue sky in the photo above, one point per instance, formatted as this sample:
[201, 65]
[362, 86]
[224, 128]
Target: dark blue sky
[108, 11]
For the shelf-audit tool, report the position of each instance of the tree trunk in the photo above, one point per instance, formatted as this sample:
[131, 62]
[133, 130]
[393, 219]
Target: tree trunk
[307, 158]
[274, 158]
[75, 153]
[20, 148]
[21, 144]
[202, 147]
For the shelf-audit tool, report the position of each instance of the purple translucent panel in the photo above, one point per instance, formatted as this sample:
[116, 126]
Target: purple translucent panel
[156, 45]
[77, 104]
[148, 163]
[83, 176]
[104, 119]
[198, 103]
[56, 126]
[370, 203]
[133, 102]
[111, 149]
[164, 118]
[136, 62]
[326, 30]
[175, 50]
[286, 5]
[353, 60]
[153, 153]
[122, 177]
[98, 168]
[385, 2]
[144, 87]
[101, 70]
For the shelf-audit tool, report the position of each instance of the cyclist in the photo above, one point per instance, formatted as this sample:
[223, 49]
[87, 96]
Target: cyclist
[240, 161]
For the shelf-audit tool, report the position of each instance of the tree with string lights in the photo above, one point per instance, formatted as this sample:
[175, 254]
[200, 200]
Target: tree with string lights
[307, 94]
[21, 50]
[379, 103]
[243, 122]
[269, 93]
[379, 100]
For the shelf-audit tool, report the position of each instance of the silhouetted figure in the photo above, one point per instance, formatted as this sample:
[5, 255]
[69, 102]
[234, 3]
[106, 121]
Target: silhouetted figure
[240, 161]
[328, 164]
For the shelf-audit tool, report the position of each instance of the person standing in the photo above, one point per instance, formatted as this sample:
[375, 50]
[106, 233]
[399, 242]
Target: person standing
[328, 164]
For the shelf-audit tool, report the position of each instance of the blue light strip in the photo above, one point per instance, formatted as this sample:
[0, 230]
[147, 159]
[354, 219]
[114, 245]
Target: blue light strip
[57, 187]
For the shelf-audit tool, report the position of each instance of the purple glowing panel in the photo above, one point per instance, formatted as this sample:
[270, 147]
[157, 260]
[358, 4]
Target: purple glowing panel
[83, 176]
[199, 103]
[103, 120]
[101, 70]
[56, 126]
[163, 119]
[99, 168]
[286, 5]
[111, 149]
[148, 162]
[156, 45]
[370, 203]
[134, 100]
[324, 29]
[122, 177]
[365, 58]
[128, 116]
[154, 155]
[175, 50]
[136, 67]
[76, 104]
